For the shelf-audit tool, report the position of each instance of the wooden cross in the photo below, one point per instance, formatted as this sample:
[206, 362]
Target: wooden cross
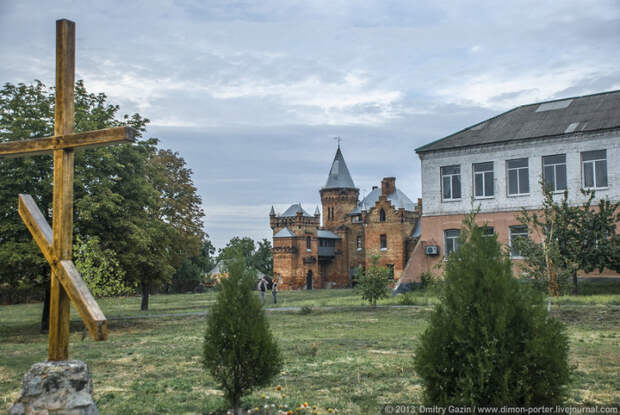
[56, 242]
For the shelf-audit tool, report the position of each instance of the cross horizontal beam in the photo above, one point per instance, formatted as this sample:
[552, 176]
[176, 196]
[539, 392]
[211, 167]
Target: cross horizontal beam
[69, 277]
[67, 141]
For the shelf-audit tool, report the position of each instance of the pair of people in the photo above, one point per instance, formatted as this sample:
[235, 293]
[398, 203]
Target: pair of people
[263, 286]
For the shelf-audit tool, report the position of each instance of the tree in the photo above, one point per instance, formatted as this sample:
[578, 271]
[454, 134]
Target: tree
[239, 349]
[262, 259]
[490, 341]
[259, 258]
[123, 194]
[100, 268]
[193, 270]
[373, 283]
[573, 237]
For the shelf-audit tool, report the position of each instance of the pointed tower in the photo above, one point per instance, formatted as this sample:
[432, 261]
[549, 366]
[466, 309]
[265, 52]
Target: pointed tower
[339, 195]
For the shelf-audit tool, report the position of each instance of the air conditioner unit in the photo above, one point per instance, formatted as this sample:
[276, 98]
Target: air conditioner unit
[432, 250]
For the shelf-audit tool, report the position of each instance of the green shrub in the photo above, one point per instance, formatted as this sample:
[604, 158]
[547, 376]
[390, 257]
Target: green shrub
[306, 309]
[373, 283]
[239, 349]
[490, 341]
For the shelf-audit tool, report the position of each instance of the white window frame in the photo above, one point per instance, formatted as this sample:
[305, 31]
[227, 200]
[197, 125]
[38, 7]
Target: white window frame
[555, 172]
[454, 238]
[594, 163]
[484, 177]
[451, 177]
[511, 233]
[517, 171]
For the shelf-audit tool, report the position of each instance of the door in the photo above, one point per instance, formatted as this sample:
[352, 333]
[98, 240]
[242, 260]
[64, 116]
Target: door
[309, 280]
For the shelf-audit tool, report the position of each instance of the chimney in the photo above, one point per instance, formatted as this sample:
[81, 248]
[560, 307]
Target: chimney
[388, 185]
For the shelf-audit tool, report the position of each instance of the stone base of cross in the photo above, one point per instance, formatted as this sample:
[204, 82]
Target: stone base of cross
[56, 242]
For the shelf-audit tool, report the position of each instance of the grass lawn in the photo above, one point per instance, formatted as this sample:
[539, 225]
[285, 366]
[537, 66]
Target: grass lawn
[348, 356]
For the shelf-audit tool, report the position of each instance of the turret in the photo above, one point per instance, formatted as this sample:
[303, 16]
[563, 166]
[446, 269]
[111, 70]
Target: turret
[339, 195]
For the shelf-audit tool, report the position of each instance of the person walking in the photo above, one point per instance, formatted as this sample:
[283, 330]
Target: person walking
[262, 287]
[274, 291]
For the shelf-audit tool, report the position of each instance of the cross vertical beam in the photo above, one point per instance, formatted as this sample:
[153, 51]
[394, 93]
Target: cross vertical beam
[62, 205]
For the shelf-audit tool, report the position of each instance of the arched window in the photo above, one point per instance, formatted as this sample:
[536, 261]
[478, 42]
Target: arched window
[382, 215]
[308, 243]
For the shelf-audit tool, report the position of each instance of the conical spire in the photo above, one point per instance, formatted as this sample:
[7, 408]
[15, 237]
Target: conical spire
[272, 212]
[339, 176]
[317, 212]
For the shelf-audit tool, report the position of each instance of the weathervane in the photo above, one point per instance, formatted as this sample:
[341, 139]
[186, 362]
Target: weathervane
[338, 139]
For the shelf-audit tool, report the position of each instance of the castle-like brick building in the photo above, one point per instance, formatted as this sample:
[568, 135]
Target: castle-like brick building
[308, 255]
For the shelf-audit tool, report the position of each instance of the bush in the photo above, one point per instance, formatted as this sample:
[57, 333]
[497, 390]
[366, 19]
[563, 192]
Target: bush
[239, 349]
[373, 283]
[490, 341]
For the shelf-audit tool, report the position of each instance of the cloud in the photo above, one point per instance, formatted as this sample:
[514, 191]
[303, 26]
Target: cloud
[496, 91]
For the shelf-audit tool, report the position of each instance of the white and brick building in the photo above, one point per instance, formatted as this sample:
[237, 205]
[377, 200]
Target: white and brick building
[570, 144]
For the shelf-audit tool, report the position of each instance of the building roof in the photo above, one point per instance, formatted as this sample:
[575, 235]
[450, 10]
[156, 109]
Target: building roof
[293, 209]
[325, 234]
[284, 233]
[575, 115]
[398, 199]
[339, 176]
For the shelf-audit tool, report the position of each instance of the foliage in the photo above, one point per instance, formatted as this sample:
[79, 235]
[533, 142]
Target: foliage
[373, 283]
[100, 268]
[257, 257]
[581, 237]
[360, 358]
[490, 341]
[239, 350]
[138, 200]
[192, 274]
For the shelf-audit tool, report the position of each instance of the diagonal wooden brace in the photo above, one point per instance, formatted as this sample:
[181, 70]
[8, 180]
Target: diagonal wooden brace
[69, 277]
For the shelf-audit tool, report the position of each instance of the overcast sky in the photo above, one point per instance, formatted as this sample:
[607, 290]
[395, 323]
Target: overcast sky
[251, 93]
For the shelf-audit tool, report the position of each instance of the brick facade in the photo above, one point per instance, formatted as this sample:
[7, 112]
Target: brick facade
[352, 232]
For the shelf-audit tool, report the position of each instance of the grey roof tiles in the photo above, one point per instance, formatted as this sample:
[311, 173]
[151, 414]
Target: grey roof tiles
[284, 233]
[293, 209]
[576, 115]
[339, 176]
[397, 198]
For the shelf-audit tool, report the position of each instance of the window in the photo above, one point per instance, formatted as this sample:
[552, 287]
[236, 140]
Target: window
[487, 231]
[308, 243]
[382, 215]
[516, 232]
[383, 239]
[451, 182]
[358, 243]
[451, 243]
[390, 267]
[594, 168]
[518, 177]
[483, 179]
[554, 172]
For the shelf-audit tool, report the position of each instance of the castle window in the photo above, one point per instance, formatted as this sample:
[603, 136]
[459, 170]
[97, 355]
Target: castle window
[391, 268]
[358, 243]
[383, 241]
[382, 215]
[308, 243]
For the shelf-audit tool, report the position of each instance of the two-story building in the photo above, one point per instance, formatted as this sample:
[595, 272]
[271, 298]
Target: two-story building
[498, 165]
